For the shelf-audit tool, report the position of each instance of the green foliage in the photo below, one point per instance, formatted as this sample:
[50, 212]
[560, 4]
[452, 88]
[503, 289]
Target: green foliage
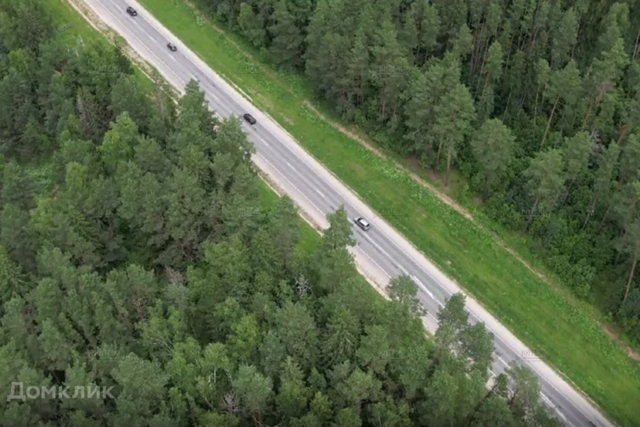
[575, 239]
[148, 268]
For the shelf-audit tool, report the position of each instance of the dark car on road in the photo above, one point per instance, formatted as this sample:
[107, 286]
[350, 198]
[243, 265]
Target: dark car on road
[172, 47]
[249, 118]
[362, 223]
[131, 11]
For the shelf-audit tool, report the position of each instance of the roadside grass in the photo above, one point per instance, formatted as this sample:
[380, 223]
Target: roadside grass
[559, 331]
[72, 25]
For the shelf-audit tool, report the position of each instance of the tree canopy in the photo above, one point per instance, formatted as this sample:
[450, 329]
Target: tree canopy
[135, 256]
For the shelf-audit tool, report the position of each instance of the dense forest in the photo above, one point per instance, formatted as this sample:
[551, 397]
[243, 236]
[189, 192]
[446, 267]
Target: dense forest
[535, 102]
[135, 255]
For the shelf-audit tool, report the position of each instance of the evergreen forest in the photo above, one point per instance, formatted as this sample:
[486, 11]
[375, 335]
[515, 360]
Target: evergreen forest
[136, 255]
[536, 103]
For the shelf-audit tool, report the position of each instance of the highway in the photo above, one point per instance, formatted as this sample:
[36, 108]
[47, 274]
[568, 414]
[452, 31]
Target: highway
[382, 251]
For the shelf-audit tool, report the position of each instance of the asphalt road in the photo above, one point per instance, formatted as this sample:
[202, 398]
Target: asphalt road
[317, 192]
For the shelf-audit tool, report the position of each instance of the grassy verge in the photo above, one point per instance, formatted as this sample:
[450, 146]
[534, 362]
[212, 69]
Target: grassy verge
[72, 25]
[563, 334]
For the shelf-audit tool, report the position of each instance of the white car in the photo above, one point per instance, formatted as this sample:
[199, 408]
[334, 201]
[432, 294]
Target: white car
[362, 223]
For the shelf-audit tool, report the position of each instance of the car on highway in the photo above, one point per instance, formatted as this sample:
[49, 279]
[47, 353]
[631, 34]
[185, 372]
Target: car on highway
[172, 47]
[362, 223]
[249, 118]
[131, 11]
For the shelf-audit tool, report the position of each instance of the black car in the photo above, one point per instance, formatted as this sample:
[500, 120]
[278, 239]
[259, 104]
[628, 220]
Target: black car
[249, 118]
[131, 11]
[172, 47]
[362, 223]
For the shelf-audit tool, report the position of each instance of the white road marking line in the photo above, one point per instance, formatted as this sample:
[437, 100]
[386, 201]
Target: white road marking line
[424, 288]
[255, 135]
[502, 360]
